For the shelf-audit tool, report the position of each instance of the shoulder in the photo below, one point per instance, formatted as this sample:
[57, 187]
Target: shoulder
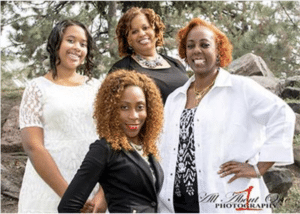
[123, 63]
[176, 62]
[101, 145]
[95, 83]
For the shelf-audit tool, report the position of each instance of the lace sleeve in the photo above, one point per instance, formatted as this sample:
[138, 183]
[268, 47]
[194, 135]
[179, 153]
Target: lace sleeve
[31, 107]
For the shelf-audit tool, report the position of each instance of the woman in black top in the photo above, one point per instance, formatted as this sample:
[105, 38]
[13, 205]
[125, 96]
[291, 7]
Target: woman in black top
[139, 32]
[129, 117]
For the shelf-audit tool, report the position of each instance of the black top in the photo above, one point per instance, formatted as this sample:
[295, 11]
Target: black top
[185, 185]
[125, 176]
[167, 79]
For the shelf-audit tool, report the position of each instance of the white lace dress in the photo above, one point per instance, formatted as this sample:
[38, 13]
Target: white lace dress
[66, 115]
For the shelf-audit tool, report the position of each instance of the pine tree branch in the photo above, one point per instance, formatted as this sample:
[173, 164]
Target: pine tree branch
[288, 16]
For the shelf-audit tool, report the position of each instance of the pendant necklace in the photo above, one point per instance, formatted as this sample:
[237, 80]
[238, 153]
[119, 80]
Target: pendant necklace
[150, 63]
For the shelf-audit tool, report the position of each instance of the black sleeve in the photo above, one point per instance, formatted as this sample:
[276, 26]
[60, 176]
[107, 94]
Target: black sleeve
[86, 178]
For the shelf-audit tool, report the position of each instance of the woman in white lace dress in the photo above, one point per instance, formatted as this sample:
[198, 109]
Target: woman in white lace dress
[56, 120]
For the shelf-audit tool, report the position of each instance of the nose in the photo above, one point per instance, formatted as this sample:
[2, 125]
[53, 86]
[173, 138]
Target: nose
[133, 114]
[197, 49]
[77, 46]
[142, 33]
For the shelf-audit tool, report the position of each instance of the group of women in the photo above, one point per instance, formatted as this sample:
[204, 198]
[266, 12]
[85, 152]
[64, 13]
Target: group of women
[148, 138]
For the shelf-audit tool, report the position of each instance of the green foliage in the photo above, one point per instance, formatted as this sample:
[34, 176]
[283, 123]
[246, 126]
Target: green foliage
[270, 30]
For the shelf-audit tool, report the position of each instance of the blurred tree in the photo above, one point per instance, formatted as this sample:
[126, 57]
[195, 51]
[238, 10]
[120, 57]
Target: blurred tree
[268, 29]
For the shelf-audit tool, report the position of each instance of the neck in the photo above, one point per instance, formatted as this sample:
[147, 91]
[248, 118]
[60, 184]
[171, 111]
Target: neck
[65, 74]
[148, 55]
[204, 80]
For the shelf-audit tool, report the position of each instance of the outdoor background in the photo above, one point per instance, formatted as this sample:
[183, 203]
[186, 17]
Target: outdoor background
[269, 29]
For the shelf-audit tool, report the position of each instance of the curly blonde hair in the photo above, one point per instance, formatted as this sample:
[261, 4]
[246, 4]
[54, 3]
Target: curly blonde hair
[107, 110]
[223, 44]
[124, 26]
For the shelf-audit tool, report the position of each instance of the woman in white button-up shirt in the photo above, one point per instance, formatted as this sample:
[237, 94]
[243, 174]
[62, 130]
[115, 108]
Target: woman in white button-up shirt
[222, 132]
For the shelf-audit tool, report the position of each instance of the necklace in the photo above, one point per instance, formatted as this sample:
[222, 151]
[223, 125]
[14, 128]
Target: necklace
[136, 147]
[200, 94]
[150, 63]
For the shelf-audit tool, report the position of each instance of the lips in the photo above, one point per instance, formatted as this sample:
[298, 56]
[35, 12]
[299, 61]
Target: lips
[74, 56]
[199, 62]
[144, 41]
[133, 127]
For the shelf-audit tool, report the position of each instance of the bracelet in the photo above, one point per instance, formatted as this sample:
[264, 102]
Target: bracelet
[258, 175]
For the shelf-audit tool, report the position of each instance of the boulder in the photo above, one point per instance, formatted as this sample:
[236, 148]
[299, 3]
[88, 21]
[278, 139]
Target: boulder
[278, 180]
[295, 107]
[8, 187]
[11, 134]
[291, 93]
[250, 65]
[273, 84]
[293, 81]
[297, 124]
[297, 155]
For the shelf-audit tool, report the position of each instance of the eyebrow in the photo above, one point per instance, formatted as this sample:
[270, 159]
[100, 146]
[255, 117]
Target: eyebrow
[71, 36]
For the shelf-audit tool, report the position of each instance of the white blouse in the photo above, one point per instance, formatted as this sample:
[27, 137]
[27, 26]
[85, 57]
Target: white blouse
[238, 120]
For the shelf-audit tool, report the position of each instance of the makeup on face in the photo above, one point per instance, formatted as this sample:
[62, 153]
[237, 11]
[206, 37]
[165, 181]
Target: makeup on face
[133, 112]
[141, 36]
[73, 48]
[201, 50]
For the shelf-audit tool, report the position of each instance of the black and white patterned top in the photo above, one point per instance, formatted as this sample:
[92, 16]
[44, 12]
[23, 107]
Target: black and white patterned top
[185, 184]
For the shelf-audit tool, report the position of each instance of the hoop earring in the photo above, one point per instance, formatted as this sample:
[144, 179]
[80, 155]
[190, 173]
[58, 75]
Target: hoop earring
[218, 60]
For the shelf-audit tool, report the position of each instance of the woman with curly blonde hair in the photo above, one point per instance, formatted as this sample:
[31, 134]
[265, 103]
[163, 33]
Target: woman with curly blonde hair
[129, 118]
[139, 32]
[222, 132]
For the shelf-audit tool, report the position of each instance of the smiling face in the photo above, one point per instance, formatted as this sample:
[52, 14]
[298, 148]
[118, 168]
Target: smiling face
[133, 112]
[141, 36]
[201, 50]
[73, 48]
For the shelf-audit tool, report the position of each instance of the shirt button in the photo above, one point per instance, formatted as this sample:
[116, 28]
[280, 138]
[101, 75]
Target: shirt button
[174, 149]
[171, 174]
[197, 120]
[169, 199]
[199, 170]
[153, 204]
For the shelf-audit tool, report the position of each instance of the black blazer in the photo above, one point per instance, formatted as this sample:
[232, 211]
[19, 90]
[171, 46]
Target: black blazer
[125, 176]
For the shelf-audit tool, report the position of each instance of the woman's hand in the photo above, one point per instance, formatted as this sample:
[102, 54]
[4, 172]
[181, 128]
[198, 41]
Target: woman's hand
[241, 170]
[97, 204]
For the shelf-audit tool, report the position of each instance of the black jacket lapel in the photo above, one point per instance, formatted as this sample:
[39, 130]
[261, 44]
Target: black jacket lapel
[158, 173]
[143, 165]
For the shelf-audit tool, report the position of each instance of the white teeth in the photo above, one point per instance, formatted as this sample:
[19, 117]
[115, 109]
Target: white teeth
[199, 62]
[144, 41]
[74, 57]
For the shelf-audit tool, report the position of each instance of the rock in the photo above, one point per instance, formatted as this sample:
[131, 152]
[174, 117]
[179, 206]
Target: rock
[273, 84]
[278, 180]
[293, 81]
[297, 124]
[8, 188]
[250, 65]
[11, 135]
[295, 107]
[291, 93]
[297, 155]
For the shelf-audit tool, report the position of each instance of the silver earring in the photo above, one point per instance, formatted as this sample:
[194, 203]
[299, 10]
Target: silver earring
[218, 60]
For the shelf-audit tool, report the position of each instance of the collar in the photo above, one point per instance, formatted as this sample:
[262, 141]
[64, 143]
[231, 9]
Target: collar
[223, 80]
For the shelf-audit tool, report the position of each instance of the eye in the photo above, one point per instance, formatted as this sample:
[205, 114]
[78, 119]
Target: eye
[190, 46]
[70, 41]
[83, 45]
[145, 28]
[205, 45]
[140, 107]
[123, 107]
[134, 31]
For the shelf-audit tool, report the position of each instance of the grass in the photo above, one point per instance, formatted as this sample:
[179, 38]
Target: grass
[297, 140]
[290, 204]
